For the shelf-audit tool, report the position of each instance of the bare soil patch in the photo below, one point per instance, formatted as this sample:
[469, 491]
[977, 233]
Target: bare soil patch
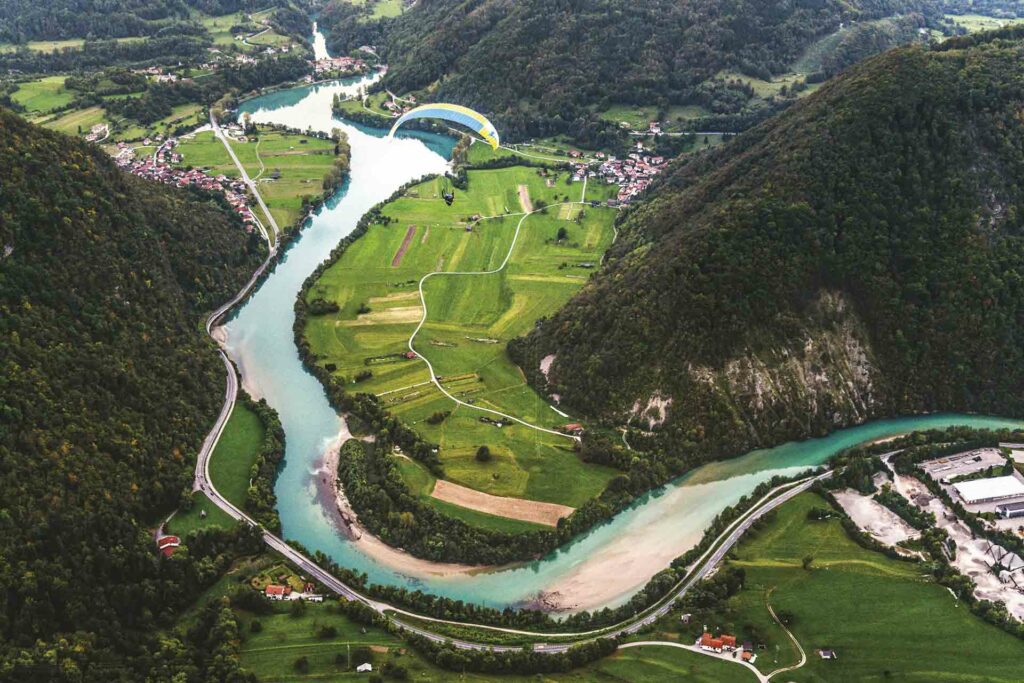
[524, 198]
[875, 518]
[513, 508]
[387, 316]
[405, 246]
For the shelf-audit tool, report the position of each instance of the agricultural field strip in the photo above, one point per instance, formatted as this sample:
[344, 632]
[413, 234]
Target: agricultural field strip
[508, 256]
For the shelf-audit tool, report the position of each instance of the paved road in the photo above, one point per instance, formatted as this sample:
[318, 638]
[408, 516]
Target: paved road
[245, 177]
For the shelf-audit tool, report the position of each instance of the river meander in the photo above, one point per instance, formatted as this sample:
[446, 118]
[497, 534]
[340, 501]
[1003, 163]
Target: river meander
[605, 566]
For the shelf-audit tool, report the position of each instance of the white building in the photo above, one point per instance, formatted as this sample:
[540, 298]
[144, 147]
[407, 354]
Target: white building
[988, 490]
[364, 668]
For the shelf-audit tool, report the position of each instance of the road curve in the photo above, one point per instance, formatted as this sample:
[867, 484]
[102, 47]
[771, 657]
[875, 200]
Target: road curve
[799, 647]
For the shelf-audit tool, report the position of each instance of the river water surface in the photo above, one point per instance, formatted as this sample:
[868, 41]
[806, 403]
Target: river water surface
[602, 568]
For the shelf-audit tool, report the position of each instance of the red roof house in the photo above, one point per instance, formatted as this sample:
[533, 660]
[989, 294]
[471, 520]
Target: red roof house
[277, 592]
[167, 544]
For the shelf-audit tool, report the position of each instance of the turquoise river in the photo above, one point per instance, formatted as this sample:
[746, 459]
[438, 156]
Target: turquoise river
[605, 566]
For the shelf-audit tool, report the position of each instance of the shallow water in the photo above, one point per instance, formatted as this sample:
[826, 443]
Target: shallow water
[605, 566]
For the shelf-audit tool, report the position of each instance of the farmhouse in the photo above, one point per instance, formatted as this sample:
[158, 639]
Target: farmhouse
[1010, 510]
[364, 668]
[989, 490]
[277, 592]
[712, 644]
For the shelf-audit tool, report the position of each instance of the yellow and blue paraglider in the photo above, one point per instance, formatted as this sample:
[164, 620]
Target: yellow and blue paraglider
[465, 116]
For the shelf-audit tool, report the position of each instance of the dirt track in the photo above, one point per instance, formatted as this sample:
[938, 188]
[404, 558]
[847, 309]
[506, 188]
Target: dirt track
[513, 508]
[405, 246]
[524, 198]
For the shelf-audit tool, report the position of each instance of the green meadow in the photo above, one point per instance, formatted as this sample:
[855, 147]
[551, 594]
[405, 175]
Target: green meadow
[185, 521]
[43, 95]
[77, 121]
[886, 619]
[286, 166]
[421, 483]
[332, 645]
[235, 454]
[471, 319]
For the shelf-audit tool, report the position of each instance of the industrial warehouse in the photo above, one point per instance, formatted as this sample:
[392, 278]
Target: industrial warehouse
[989, 490]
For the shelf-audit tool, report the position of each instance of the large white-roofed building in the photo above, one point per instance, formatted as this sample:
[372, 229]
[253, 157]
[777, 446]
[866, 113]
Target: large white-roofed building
[989, 490]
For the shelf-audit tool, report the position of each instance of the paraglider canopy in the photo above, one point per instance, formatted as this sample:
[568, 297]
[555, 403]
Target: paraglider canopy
[473, 120]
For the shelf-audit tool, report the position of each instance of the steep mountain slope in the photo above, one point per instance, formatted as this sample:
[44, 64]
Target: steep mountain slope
[538, 65]
[107, 386]
[860, 255]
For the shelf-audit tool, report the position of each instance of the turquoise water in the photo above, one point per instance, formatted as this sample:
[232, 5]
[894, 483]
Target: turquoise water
[605, 566]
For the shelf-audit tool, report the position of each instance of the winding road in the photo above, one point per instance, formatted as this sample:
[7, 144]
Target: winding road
[700, 569]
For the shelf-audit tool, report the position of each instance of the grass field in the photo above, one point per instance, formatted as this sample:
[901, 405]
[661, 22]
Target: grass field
[51, 45]
[235, 454]
[380, 8]
[287, 167]
[43, 95]
[979, 22]
[421, 482]
[79, 120]
[283, 638]
[270, 39]
[184, 522]
[639, 118]
[219, 28]
[886, 619]
[471, 318]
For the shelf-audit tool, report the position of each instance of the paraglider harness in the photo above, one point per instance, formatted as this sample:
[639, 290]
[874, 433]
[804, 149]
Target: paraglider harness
[447, 192]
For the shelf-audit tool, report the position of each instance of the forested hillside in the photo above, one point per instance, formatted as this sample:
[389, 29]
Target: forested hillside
[107, 386]
[540, 66]
[22, 20]
[860, 255]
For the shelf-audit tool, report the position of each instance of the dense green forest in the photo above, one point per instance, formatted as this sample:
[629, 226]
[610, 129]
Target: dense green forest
[108, 385]
[860, 255]
[22, 20]
[541, 66]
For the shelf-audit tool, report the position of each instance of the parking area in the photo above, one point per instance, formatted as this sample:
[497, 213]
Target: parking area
[951, 466]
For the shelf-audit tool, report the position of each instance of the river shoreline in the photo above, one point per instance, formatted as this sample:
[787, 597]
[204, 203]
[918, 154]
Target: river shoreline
[336, 506]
